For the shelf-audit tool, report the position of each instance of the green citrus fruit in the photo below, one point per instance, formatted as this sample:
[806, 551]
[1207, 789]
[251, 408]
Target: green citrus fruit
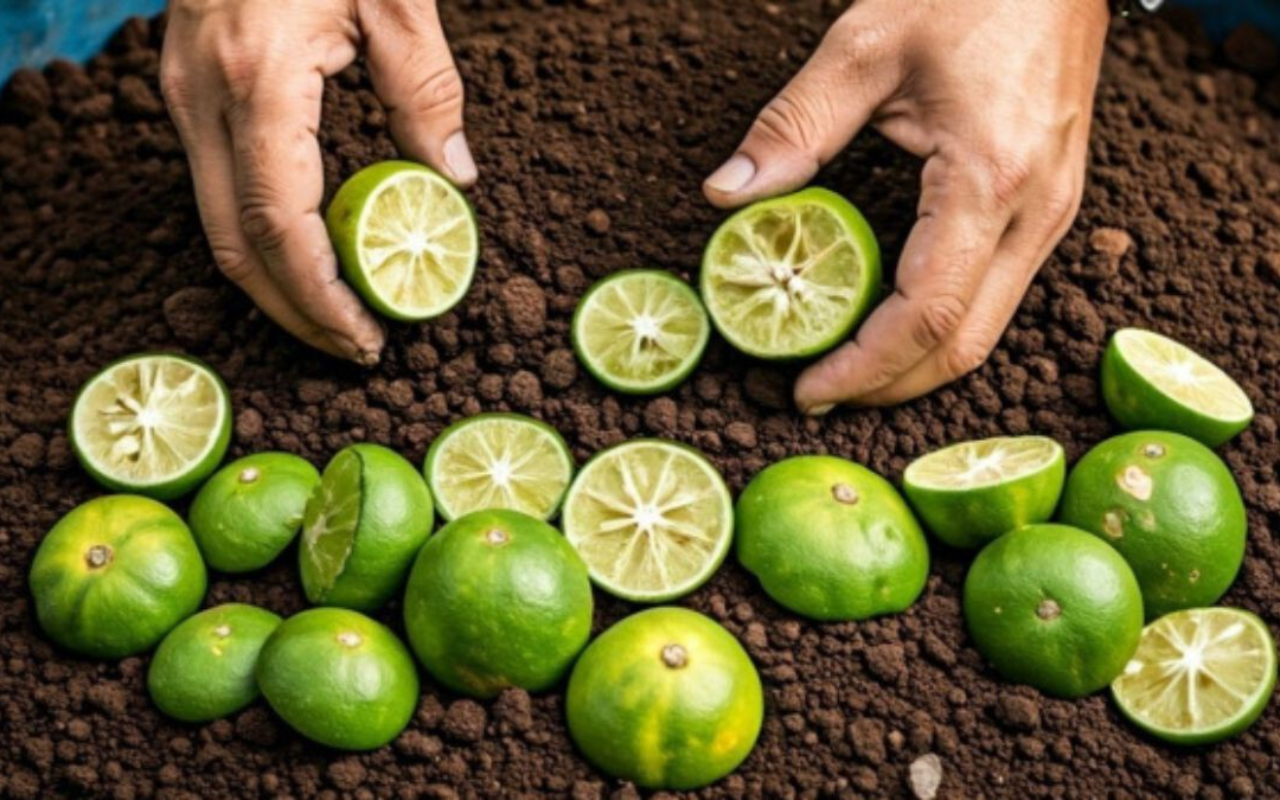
[1172, 509]
[640, 331]
[791, 276]
[1053, 607]
[667, 699]
[203, 670]
[362, 528]
[970, 493]
[406, 238]
[250, 510]
[1151, 381]
[653, 519]
[499, 461]
[1199, 676]
[497, 599]
[831, 540]
[115, 575]
[339, 678]
[153, 424]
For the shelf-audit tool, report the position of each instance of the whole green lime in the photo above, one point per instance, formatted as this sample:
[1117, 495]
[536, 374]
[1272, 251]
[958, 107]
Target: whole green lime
[203, 670]
[115, 575]
[498, 599]
[251, 509]
[1172, 509]
[830, 539]
[1053, 607]
[667, 699]
[339, 678]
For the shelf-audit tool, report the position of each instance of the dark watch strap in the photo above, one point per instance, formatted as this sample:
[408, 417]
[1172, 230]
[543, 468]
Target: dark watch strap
[1127, 8]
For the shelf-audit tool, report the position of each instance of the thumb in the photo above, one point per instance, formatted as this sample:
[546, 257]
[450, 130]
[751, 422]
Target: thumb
[812, 118]
[417, 80]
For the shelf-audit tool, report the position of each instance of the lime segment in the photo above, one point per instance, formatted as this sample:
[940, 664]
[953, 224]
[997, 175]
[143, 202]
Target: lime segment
[640, 331]
[652, 519]
[1199, 676]
[329, 524]
[791, 276]
[152, 424]
[499, 461]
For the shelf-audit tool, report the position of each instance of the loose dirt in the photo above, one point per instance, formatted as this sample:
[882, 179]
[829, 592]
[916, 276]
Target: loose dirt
[594, 124]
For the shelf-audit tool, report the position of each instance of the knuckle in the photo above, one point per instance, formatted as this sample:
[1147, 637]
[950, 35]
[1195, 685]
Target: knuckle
[232, 261]
[1060, 204]
[1005, 171]
[857, 41]
[439, 90]
[264, 223]
[963, 357]
[940, 317]
[790, 122]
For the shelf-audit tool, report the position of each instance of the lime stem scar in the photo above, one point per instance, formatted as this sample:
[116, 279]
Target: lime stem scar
[844, 493]
[349, 638]
[674, 656]
[249, 474]
[1048, 610]
[98, 556]
[496, 537]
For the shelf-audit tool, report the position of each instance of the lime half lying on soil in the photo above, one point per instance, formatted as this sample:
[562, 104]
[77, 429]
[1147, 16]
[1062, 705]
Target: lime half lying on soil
[640, 331]
[972, 492]
[789, 277]
[1152, 381]
[652, 519]
[152, 424]
[1199, 676]
[499, 461]
[406, 237]
[362, 528]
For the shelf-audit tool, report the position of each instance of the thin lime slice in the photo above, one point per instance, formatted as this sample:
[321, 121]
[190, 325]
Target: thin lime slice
[640, 331]
[652, 519]
[790, 277]
[499, 461]
[1152, 381]
[154, 424]
[1199, 675]
[406, 238]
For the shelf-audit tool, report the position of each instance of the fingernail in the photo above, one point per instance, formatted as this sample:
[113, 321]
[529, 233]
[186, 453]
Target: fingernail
[820, 410]
[733, 175]
[368, 358]
[458, 160]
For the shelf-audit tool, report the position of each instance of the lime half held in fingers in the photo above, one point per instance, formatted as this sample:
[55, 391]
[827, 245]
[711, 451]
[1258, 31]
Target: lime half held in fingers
[790, 277]
[1199, 676]
[970, 493]
[652, 519]
[406, 237]
[640, 331]
[1152, 381]
[153, 424]
[499, 461]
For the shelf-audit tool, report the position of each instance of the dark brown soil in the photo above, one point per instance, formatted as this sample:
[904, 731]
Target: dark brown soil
[594, 124]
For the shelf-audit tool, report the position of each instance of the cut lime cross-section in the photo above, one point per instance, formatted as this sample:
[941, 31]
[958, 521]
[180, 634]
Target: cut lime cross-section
[154, 424]
[790, 277]
[499, 461]
[640, 331]
[652, 519]
[1199, 676]
[406, 238]
[1151, 381]
[972, 492]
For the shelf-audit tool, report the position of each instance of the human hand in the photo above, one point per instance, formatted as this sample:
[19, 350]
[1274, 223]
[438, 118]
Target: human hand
[244, 80]
[996, 96]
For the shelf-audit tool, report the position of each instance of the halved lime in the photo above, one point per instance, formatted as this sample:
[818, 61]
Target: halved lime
[652, 519]
[1199, 676]
[791, 276]
[1152, 381]
[154, 424]
[972, 492]
[499, 461]
[640, 331]
[406, 238]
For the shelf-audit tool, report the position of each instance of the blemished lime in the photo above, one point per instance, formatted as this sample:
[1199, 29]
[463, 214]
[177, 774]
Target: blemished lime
[249, 511]
[791, 276]
[667, 699]
[831, 540]
[115, 575]
[497, 599]
[339, 678]
[1053, 607]
[154, 424]
[1172, 509]
[203, 670]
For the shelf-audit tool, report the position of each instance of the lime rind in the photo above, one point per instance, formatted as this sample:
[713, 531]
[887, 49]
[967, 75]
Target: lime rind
[640, 331]
[505, 461]
[330, 523]
[984, 463]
